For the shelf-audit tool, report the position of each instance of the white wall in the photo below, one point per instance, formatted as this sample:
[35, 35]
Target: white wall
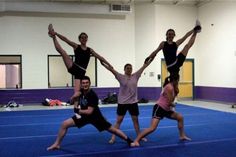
[112, 36]
[145, 42]
[127, 38]
[151, 23]
[216, 60]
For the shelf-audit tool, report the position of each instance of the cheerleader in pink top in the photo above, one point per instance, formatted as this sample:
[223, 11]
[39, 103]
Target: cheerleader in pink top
[163, 109]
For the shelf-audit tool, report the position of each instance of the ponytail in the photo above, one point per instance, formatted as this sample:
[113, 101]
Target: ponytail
[167, 80]
[171, 78]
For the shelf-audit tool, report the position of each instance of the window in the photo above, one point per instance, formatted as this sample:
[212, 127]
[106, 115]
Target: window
[10, 71]
[58, 76]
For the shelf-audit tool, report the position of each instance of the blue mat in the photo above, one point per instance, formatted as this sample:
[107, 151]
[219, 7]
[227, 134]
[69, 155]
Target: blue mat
[29, 133]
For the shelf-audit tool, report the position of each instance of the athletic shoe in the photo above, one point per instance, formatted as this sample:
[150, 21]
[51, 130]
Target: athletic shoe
[198, 27]
[51, 32]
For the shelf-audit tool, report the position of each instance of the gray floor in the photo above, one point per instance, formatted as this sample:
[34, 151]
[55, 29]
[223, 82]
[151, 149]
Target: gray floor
[203, 104]
[211, 105]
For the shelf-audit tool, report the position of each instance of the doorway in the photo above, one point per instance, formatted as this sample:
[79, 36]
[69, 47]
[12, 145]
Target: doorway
[186, 82]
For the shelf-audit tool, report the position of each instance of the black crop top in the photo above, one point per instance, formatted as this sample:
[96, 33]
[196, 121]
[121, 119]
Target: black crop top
[82, 57]
[170, 51]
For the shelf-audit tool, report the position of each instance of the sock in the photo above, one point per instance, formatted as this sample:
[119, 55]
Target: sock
[129, 141]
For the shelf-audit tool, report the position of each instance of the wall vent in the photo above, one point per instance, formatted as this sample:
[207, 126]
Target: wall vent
[126, 8]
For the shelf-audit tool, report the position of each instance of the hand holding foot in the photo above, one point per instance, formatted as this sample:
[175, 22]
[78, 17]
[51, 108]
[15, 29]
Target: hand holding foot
[74, 97]
[51, 31]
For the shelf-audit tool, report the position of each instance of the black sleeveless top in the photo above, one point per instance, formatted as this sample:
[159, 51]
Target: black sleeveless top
[82, 57]
[170, 51]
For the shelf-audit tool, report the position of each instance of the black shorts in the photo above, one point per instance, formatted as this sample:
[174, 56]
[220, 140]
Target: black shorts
[174, 69]
[76, 71]
[98, 122]
[160, 113]
[123, 108]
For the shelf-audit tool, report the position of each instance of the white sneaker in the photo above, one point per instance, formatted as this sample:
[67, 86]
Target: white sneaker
[50, 30]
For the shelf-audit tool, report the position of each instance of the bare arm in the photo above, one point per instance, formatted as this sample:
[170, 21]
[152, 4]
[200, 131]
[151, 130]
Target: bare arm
[109, 67]
[87, 111]
[181, 40]
[99, 57]
[154, 53]
[145, 64]
[104, 62]
[69, 42]
[76, 104]
[169, 93]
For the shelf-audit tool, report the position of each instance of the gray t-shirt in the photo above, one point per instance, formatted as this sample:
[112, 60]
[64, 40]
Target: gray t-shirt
[128, 88]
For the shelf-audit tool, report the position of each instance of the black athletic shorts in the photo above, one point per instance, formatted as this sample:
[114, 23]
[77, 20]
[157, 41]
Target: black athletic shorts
[174, 69]
[123, 108]
[99, 122]
[160, 113]
[76, 71]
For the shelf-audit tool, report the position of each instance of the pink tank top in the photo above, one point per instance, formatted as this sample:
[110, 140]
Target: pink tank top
[163, 100]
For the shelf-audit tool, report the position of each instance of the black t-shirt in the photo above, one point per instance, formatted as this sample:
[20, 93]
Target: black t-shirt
[82, 57]
[170, 52]
[89, 99]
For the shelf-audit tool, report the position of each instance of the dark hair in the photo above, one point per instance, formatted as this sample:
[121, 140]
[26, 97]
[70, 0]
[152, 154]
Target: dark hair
[128, 64]
[170, 30]
[83, 33]
[171, 78]
[85, 78]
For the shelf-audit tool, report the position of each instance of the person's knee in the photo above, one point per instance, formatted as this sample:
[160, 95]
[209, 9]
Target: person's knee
[65, 125]
[119, 119]
[152, 128]
[111, 129]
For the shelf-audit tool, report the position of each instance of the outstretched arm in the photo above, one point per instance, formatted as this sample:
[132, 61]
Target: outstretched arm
[69, 42]
[181, 40]
[154, 53]
[102, 60]
[109, 67]
[146, 63]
